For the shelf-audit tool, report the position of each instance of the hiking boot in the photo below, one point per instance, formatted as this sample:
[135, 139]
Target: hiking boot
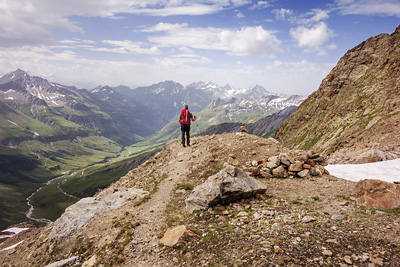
[188, 144]
[183, 145]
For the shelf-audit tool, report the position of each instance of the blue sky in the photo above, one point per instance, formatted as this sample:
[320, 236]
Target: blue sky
[286, 46]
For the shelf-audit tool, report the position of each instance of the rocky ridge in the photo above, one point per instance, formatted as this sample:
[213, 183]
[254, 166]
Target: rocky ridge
[297, 222]
[356, 107]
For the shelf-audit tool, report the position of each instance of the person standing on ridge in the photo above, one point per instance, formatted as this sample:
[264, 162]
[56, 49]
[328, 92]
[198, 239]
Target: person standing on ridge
[184, 120]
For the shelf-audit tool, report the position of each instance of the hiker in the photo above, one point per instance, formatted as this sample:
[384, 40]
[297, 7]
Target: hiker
[184, 120]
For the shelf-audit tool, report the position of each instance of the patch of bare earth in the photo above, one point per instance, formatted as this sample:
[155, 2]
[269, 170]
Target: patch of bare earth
[298, 222]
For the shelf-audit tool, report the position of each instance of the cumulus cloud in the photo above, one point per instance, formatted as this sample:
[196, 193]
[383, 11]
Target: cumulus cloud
[312, 38]
[369, 7]
[254, 41]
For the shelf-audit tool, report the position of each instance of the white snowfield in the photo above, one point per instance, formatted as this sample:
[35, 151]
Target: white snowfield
[388, 171]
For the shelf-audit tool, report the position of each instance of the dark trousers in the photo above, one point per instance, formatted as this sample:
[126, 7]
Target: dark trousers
[185, 129]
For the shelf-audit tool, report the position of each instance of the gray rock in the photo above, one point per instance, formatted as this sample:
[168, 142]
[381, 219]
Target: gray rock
[304, 173]
[277, 227]
[63, 263]
[275, 160]
[327, 252]
[280, 172]
[283, 159]
[82, 212]
[223, 188]
[338, 217]
[307, 219]
[273, 140]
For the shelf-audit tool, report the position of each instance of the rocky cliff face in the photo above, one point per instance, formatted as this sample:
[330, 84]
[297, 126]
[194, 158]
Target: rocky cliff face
[357, 106]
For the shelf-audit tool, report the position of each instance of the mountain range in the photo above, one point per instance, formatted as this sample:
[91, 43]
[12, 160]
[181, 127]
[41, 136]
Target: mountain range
[60, 129]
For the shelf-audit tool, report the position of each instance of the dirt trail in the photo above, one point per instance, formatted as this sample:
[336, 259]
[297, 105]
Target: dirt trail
[151, 214]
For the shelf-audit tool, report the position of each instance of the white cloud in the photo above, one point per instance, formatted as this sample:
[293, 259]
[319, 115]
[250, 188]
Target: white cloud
[27, 22]
[369, 7]
[281, 13]
[254, 41]
[161, 27]
[314, 16]
[319, 15]
[260, 5]
[127, 47]
[239, 14]
[312, 38]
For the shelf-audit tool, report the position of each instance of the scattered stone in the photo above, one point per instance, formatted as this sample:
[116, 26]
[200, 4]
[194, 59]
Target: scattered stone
[242, 214]
[91, 262]
[276, 227]
[334, 241]
[284, 160]
[304, 173]
[338, 217]
[175, 235]
[347, 259]
[297, 166]
[233, 161]
[280, 172]
[63, 263]
[377, 261]
[278, 250]
[327, 252]
[307, 219]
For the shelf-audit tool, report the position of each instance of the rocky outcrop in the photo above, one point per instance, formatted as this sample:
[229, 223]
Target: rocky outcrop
[81, 213]
[295, 163]
[356, 106]
[377, 194]
[229, 185]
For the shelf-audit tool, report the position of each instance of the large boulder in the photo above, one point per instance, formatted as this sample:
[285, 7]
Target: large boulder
[377, 194]
[229, 185]
[81, 213]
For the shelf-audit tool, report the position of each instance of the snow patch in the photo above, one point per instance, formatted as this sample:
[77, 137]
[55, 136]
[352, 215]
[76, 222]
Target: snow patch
[388, 171]
[13, 246]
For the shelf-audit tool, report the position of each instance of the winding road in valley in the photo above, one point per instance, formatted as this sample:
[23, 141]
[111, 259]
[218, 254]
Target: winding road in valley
[31, 207]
